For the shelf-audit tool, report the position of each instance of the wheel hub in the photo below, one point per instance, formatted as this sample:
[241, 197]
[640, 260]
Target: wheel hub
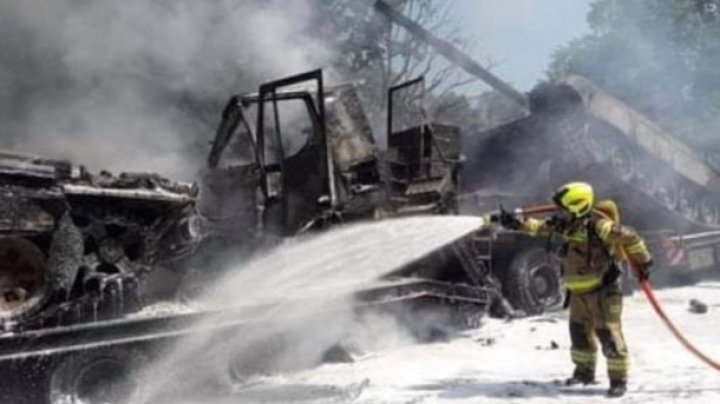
[545, 287]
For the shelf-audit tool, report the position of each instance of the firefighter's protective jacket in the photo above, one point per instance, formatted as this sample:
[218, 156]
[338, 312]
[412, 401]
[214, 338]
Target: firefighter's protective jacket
[591, 245]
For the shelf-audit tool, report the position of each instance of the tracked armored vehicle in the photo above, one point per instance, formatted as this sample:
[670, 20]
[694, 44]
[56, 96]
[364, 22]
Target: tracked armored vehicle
[76, 246]
[80, 252]
[576, 131]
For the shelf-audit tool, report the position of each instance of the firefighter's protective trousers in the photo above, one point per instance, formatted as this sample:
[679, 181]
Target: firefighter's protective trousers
[595, 316]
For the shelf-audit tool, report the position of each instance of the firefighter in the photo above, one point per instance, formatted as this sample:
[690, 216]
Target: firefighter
[592, 247]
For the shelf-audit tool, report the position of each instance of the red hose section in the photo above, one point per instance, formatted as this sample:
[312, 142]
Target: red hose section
[539, 210]
[645, 285]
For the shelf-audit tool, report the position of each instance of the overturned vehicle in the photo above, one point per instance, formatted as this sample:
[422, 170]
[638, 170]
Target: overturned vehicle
[76, 246]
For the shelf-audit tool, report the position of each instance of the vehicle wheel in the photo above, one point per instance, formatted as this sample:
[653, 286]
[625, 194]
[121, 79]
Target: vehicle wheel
[533, 283]
[102, 376]
[600, 147]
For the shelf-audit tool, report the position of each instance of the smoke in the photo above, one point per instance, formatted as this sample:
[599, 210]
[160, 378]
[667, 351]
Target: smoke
[659, 57]
[137, 85]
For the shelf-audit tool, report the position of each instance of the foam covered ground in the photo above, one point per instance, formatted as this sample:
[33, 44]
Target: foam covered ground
[517, 362]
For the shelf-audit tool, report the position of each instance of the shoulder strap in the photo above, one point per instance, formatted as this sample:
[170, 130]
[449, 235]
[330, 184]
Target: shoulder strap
[593, 236]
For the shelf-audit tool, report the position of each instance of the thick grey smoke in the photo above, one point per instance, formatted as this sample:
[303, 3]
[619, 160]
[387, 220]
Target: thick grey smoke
[138, 85]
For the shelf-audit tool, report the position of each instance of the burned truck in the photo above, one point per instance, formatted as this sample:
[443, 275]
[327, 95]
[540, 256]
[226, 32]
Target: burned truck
[310, 161]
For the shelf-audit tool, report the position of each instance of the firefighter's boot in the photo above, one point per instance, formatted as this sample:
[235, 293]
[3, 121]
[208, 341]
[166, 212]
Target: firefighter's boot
[618, 387]
[581, 375]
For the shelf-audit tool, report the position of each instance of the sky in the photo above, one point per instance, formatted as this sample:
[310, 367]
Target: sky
[519, 36]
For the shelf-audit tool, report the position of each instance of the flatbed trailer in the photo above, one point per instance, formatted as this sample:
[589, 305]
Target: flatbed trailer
[98, 362]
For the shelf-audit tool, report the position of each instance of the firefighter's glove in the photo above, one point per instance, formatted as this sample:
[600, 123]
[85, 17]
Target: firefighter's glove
[508, 220]
[643, 270]
[556, 221]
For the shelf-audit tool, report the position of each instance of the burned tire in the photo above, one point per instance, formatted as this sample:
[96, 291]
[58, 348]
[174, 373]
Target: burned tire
[101, 376]
[533, 283]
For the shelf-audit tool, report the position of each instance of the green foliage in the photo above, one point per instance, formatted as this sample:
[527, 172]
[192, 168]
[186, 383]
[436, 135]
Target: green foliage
[661, 56]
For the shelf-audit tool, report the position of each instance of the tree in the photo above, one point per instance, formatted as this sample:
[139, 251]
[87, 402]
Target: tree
[377, 54]
[660, 56]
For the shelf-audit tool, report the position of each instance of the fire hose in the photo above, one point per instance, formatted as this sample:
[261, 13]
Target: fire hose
[647, 291]
[650, 296]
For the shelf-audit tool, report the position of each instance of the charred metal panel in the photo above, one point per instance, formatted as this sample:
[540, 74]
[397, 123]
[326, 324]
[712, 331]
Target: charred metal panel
[350, 136]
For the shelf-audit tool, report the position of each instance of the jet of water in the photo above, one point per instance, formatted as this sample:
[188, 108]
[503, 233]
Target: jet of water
[305, 287]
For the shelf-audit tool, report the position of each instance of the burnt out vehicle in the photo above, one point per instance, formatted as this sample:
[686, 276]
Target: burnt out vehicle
[79, 254]
[298, 157]
[77, 247]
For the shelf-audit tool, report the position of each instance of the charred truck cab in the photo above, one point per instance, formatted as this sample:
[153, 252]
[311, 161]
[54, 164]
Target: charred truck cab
[307, 165]
[311, 162]
[316, 163]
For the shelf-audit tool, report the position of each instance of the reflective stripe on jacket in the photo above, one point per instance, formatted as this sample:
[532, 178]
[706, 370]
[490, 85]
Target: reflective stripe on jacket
[587, 260]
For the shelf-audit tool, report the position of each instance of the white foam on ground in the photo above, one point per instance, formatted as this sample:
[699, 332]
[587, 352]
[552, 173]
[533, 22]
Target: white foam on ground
[513, 362]
[302, 278]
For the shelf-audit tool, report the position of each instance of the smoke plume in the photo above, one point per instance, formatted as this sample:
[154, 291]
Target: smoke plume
[136, 85]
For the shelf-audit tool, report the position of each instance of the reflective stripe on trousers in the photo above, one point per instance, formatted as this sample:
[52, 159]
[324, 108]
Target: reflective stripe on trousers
[596, 316]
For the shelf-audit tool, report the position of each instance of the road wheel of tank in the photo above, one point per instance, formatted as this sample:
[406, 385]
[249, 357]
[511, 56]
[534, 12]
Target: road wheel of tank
[24, 278]
[533, 283]
[599, 146]
[708, 211]
[100, 376]
[623, 163]
[687, 205]
[668, 194]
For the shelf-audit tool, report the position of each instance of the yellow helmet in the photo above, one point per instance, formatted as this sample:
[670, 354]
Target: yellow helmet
[575, 197]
